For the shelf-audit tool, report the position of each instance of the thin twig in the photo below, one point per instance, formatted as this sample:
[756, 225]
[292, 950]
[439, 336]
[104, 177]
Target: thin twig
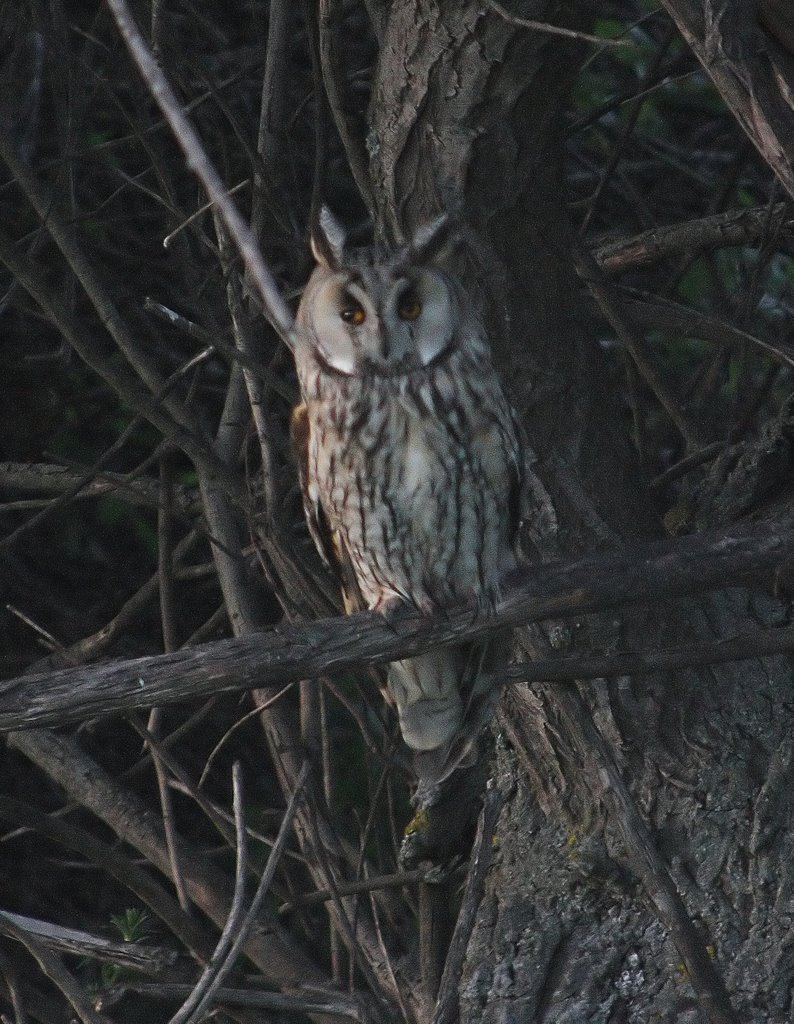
[238, 925]
[333, 70]
[274, 306]
[116, 864]
[10, 977]
[394, 881]
[233, 728]
[279, 960]
[197, 213]
[554, 30]
[192, 1007]
[654, 312]
[165, 575]
[165, 759]
[123, 382]
[590, 273]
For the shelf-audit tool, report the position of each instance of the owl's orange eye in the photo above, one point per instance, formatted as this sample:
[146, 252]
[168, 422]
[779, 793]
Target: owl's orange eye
[353, 315]
[409, 308]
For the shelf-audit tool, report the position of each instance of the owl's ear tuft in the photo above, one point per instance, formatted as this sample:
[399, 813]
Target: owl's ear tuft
[328, 239]
[429, 239]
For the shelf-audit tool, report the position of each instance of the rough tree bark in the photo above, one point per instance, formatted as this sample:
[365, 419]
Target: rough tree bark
[574, 926]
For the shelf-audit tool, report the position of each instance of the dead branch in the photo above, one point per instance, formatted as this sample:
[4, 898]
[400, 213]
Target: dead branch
[760, 644]
[690, 237]
[634, 575]
[57, 973]
[307, 1000]
[273, 952]
[118, 865]
[46, 478]
[132, 955]
[240, 921]
[589, 272]
[652, 311]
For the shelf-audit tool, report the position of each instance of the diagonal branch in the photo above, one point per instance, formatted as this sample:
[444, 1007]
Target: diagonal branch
[747, 82]
[275, 308]
[634, 575]
[691, 237]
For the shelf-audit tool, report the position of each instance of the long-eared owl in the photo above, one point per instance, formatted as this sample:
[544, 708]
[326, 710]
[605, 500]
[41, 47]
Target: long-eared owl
[410, 464]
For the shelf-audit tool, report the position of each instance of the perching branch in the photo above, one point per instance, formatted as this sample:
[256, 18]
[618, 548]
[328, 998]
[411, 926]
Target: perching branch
[634, 575]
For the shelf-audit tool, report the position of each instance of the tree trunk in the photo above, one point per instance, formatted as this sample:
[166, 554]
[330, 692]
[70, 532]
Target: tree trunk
[646, 839]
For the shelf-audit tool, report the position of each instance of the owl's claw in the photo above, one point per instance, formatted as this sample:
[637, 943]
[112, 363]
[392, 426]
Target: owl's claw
[391, 611]
[482, 607]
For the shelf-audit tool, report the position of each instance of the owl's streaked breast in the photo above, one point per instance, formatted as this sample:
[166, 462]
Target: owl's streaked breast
[416, 494]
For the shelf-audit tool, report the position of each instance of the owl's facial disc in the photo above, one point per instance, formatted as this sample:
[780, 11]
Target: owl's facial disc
[382, 325]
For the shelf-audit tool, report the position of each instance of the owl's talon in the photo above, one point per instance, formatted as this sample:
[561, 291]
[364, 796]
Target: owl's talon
[391, 612]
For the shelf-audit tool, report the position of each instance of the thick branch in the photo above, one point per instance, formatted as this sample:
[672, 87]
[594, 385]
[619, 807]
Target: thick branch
[635, 575]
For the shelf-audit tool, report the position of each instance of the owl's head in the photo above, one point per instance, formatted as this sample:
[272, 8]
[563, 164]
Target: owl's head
[369, 311]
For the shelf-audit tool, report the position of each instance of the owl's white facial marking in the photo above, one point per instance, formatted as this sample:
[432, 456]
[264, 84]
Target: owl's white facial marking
[430, 330]
[343, 319]
[381, 323]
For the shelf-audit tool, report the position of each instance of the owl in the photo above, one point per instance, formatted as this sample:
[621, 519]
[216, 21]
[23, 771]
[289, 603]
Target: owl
[410, 465]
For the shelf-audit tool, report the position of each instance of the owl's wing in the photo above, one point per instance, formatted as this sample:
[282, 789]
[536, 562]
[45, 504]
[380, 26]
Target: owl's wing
[519, 502]
[328, 542]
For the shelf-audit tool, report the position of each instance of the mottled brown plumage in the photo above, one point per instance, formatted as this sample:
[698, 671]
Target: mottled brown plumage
[410, 465]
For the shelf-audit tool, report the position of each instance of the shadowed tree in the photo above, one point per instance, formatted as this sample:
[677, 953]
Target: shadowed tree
[635, 851]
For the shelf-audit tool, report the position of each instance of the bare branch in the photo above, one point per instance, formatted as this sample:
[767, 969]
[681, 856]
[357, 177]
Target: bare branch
[394, 881]
[239, 923]
[132, 955]
[640, 574]
[625, 330]
[45, 478]
[278, 958]
[56, 972]
[748, 86]
[155, 896]
[650, 311]
[760, 644]
[735, 227]
[312, 1000]
[554, 30]
[275, 308]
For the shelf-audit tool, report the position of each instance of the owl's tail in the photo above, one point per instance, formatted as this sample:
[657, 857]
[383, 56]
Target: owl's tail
[443, 699]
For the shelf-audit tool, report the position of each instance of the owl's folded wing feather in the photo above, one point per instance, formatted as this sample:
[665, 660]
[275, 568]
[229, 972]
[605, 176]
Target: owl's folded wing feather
[328, 542]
